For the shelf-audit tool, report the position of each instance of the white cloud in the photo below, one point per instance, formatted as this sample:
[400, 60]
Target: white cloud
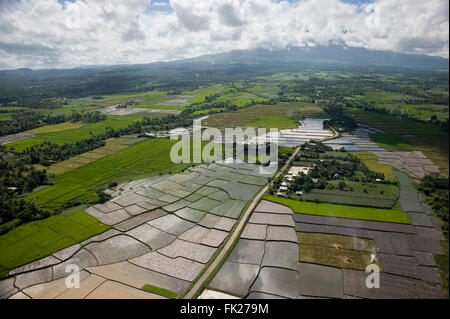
[46, 33]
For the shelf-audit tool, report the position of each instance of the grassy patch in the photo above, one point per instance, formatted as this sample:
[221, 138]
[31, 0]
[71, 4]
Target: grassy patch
[286, 151]
[370, 160]
[160, 291]
[330, 256]
[351, 198]
[363, 213]
[278, 122]
[336, 251]
[56, 128]
[392, 142]
[36, 240]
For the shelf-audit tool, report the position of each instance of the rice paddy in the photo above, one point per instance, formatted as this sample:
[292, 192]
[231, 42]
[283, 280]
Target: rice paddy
[159, 243]
[342, 211]
[376, 200]
[391, 142]
[336, 251]
[38, 239]
[56, 128]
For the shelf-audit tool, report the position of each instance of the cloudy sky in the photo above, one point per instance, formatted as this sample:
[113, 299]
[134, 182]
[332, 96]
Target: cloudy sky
[70, 33]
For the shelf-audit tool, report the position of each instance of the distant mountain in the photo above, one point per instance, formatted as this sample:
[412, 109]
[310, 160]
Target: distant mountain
[206, 69]
[326, 55]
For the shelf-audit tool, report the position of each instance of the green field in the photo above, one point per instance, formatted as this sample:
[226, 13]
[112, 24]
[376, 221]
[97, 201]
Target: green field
[148, 158]
[370, 160]
[363, 213]
[266, 115]
[56, 128]
[392, 142]
[160, 291]
[5, 116]
[200, 94]
[75, 134]
[278, 122]
[285, 151]
[36, 240]
[335, 196]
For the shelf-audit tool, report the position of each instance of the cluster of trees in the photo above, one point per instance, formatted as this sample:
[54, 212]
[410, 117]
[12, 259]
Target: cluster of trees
[39, 103]
[211, 98]
[87, 117]
[47, 152]
[327, 168]
[27, 120]
[437, 189]
[19, 210]
[16, 178]
[338, 119]
[19, 176]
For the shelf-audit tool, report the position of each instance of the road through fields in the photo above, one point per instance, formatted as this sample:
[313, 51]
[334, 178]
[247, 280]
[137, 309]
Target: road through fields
[234, 235]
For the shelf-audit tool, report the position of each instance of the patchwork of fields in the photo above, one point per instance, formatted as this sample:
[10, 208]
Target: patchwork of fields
[394, 102]
[283, 255]
[151, 157]
[429, 138]
[113, 145]
[370, 160]
[164, 231]
[39, 239]
[72, 132]
[167, 222]
[266, 116]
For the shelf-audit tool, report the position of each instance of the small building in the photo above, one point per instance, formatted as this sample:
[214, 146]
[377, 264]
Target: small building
[289, 177]
[299, 193]
[283, 189]
[297, 170]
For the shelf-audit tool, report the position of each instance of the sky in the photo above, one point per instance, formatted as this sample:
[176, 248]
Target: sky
[69, 33]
